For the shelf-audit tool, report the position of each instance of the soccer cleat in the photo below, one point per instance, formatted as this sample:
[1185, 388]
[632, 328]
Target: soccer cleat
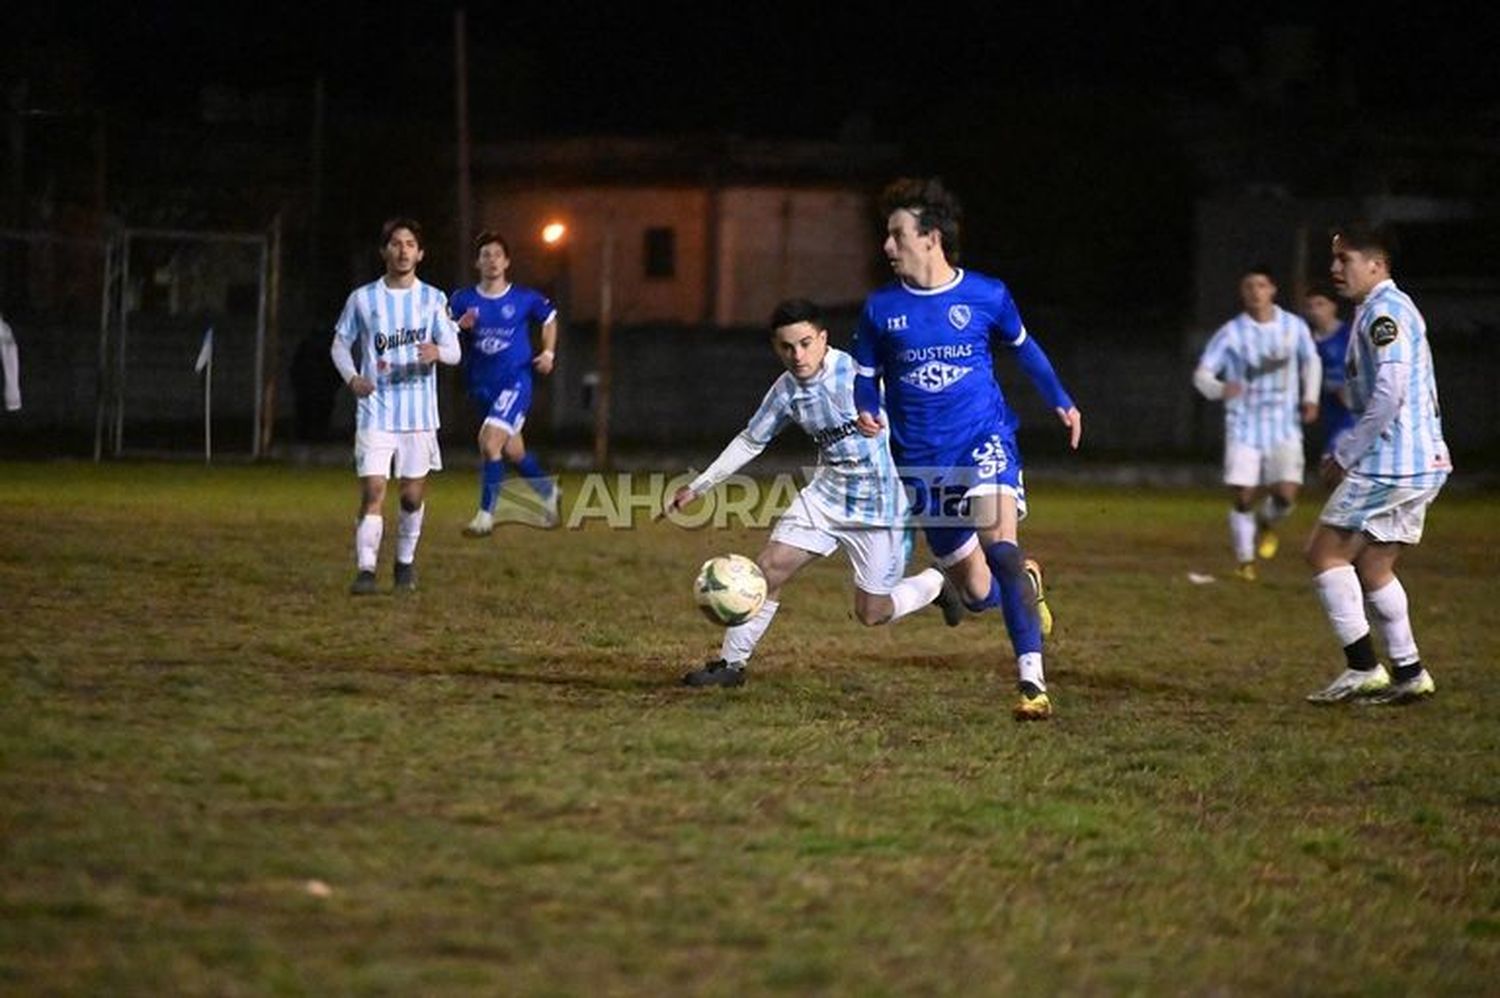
[716, 673]
[1033, 571]
[552, 508]
[1245, 572]
[482, 525]
[951, 603]
[1267, 544]
[1032, 704]
[363, 585]
[1353, 684]
[1418, 687]
[406, 577]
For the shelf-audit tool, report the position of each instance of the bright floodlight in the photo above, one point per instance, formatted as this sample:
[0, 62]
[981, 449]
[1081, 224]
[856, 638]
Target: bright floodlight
[553, 232]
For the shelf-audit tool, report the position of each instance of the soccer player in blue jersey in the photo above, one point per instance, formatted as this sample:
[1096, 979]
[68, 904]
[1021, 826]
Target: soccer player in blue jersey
[927, 337]
[496, 317]
[855, 499]
[1264, 366]
[1385, 472]
[403, 330]
[1331, 336]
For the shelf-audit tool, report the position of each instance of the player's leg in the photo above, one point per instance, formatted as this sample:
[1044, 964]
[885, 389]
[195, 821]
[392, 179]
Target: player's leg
[417, 455]
[1331, 552]
[779, 560]
[493, 435]
[878, 557]
[999, 513]
[534, 475]
[1284, 470]
[374, 452]
[1242, 477]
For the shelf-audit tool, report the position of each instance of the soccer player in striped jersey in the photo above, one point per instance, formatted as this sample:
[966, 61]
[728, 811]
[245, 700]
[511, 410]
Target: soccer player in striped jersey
[1263, 364]
[928, 337]
[403, 329]
[855, 499]
[1385, 472]
[1331, 336]
[497, 317]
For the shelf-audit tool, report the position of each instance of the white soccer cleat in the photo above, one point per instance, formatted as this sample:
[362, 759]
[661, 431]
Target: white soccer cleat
[1418, 687]
[1353, 684]
[552, 508]
[482, 525]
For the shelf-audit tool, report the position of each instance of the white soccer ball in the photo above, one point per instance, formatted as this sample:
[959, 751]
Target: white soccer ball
[729, 589]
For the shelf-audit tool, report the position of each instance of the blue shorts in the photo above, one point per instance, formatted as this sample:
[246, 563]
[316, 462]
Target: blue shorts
[504, 405]
[939, 486]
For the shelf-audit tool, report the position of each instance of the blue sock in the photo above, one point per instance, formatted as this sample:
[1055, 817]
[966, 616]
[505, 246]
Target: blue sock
[1025, 630]
[535, 476]
[993, 599]
[491, 474]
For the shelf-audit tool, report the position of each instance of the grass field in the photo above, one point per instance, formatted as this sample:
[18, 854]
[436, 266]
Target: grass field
[221, 775]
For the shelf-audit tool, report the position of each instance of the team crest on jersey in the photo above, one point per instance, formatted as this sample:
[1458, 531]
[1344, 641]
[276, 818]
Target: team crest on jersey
[960, 315]
[508, 311]
[934, 376]
[1383, 331]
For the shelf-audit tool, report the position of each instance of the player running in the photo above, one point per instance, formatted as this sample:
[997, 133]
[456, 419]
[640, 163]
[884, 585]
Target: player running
[496, 317]
[927, 338]
[1261, 363]
[854, 501]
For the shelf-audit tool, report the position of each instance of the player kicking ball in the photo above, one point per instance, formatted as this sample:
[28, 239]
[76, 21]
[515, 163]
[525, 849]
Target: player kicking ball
[854, 501]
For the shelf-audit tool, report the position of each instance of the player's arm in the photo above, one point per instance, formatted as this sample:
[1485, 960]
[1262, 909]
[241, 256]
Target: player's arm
[1038, 367]
[774, 414]
[544, 360]
[866, 378]
[1311, 368]
[443, 347]
[344, 333]
[1206, 375]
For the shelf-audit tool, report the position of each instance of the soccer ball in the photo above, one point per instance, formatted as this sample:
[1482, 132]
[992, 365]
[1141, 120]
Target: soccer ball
[729, 589]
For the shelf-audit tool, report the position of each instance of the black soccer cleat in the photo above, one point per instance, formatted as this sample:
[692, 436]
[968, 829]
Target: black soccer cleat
[716, 673]
[363, 585]
[406, 577]
[951, 603]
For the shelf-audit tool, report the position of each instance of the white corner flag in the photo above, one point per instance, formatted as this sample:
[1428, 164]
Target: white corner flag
[205, 352]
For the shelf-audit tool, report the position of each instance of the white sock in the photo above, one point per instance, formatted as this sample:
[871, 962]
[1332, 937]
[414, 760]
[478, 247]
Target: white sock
[1242, 535]
[367, 534]
[408, 532]
[1343, 602]
[740, 640]
[1029, 666]
[915, 592]
[1387, 605]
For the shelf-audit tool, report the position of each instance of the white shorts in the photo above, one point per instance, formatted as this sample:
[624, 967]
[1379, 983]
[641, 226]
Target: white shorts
[877, 553]
[1389, 514]
[1246, 467]
[384, 454]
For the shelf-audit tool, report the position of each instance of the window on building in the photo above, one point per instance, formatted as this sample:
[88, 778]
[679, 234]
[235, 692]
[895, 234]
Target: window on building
[661, 252]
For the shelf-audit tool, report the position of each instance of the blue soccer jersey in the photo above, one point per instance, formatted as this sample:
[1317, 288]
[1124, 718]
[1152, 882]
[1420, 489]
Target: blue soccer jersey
[1334, 415]
[1411, 451]
[497, 348]
[1268, 359]
[389, 324]
[931, 348]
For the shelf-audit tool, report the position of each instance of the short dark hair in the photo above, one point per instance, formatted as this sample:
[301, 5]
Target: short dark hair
[1263, 269]
[935, 206]
[795, 310]
[1322, 290]
[490, 236]
[1370, 239]
[392, 224]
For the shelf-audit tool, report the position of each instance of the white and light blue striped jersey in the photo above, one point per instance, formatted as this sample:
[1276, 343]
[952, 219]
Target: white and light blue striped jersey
[856, 474]
[1388, 328]
[388, 324]
[1268, 359]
